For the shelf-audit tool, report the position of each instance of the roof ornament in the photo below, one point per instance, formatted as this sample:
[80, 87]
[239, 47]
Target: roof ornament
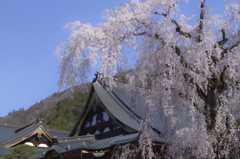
[100, 154]
[40, 120]
[39, 135]
[99, 76]
[101, 79]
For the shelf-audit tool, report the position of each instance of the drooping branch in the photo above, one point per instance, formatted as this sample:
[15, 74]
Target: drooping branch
[178, 29]
[176, 48]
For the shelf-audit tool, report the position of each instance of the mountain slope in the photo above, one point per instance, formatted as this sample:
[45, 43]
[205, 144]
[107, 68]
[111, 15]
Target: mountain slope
[60, 110]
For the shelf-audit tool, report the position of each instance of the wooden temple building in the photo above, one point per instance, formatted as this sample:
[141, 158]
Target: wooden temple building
[107, 120]
[33, 134]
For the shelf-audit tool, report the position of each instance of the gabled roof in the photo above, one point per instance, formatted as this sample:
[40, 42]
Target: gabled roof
[117, 103]
[115, 107]
[7, 130]
[12, 134]
[120, 105]
[25, 133]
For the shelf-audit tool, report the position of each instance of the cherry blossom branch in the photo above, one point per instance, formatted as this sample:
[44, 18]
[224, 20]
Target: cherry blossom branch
[184, 63]
[178, 29]
[141, 33]
[177, 50]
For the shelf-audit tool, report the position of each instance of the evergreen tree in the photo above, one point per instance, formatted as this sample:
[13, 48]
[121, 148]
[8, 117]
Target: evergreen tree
[21, 152]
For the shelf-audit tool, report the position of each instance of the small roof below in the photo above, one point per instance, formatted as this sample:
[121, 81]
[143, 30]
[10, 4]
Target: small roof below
[89, 143]
[10, 133]
[22, 134]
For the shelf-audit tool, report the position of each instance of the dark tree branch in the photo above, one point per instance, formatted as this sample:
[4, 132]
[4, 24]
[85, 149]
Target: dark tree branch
[201, 20]
[224, 40]
[141, 33]
[227, 49]
[183, 62]
[186, 64]
[201, 94]
[178, 29]
[199, 91]
[176, 48]
[222, 83]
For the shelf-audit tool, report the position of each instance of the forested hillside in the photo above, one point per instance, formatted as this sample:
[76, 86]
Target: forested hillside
[59, 110]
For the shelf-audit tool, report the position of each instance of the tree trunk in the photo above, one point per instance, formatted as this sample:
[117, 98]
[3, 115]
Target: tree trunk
[211, 108]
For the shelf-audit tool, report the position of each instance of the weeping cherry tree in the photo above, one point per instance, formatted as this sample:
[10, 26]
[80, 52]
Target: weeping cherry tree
[178, 67]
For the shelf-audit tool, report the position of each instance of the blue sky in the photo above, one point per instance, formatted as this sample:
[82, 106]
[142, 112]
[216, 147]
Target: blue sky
[30, 31]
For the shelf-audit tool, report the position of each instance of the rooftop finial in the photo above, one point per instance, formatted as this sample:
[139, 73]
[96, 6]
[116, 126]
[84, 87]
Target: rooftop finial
[40, 120]
[99, 76]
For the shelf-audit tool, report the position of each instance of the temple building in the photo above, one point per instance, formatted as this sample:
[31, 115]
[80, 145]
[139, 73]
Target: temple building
[108, 119]
[33, 134]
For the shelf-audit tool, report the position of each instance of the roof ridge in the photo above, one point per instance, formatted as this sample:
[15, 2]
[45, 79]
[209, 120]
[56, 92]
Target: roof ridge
[22, 128]
[10, 124]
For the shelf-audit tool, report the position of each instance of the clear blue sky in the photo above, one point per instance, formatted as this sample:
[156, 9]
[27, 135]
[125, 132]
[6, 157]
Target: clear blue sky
[30, 31]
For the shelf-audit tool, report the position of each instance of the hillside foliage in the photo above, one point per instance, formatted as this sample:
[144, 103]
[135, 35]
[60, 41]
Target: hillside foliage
[60, 110]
